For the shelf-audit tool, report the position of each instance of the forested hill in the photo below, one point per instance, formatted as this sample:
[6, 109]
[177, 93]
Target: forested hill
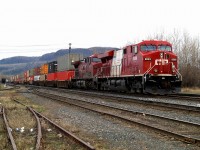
[18, 64]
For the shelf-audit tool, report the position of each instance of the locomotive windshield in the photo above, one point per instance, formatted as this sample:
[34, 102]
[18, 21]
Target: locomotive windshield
[155, 47]
[148, 47]
[164, 47]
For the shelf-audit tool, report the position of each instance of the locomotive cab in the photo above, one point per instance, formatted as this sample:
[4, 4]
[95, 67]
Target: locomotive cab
[160, 67]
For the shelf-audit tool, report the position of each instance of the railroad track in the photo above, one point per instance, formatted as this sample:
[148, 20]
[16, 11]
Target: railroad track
[181, 96]
[39, 116]
[130, 99]
[11, 87]
[191, 97]
[180, 129]
[8, 129]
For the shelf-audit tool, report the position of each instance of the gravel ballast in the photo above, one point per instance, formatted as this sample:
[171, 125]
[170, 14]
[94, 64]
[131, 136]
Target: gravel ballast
[114, 134]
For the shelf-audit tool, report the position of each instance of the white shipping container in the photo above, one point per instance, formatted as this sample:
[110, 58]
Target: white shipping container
[64, 62]
[36, 78]
[27, 73]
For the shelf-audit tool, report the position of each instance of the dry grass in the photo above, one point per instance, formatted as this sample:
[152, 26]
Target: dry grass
[51, 140]
[1, 87]
[19, 117]
[3, 136]
[29, 103]
[191, 90]
[98, 144]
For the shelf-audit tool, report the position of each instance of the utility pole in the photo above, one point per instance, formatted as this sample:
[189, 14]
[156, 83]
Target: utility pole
[70, 47]
[69, 54]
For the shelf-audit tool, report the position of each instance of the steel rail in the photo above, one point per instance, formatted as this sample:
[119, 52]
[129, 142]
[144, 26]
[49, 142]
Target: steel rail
[14, 147]
[184, 97]
[39, 134]
[83, 143]
[135, 100]
[143, 101]
[131, 111]
[179, 136]
[139, 100]
[39, 128]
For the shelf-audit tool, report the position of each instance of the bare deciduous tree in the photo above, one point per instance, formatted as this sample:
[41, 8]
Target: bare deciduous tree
[188, 50]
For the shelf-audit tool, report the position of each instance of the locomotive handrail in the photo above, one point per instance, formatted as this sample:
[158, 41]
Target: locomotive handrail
[150, 68]
[178, 73]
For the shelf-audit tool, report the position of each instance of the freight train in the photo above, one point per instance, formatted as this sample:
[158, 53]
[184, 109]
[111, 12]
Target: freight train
[146, 67]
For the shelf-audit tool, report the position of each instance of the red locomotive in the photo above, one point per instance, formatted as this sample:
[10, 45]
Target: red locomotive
[146, 67]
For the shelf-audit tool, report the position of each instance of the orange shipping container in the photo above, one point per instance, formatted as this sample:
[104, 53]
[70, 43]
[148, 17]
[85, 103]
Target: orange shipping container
[44, 69]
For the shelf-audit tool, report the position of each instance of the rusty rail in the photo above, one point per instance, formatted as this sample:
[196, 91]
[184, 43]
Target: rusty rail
[14, 147]
[39, 134]
[39, 128]
[83, 143]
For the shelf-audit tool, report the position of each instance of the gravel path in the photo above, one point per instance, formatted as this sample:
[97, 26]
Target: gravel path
[115, 135]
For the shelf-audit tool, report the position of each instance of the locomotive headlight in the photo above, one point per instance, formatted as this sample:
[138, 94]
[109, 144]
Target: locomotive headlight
[155, 70]
[147, 58]
[161, 55]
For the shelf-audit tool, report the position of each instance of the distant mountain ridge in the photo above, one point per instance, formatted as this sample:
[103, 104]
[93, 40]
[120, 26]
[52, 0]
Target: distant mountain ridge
[17, 59]
[19, 64]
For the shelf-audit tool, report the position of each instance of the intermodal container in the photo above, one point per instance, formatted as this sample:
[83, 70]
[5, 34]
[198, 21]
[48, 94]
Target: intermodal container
[65, 75]
[11, 79]
[21, 78]
[52, 77]
[26, 74]
[37, 71]
[52, 67]
[17, 78]
[31, 72]
[31, 78]
[37, 78]
[43, 77]
[64, 62]
[44, 69]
